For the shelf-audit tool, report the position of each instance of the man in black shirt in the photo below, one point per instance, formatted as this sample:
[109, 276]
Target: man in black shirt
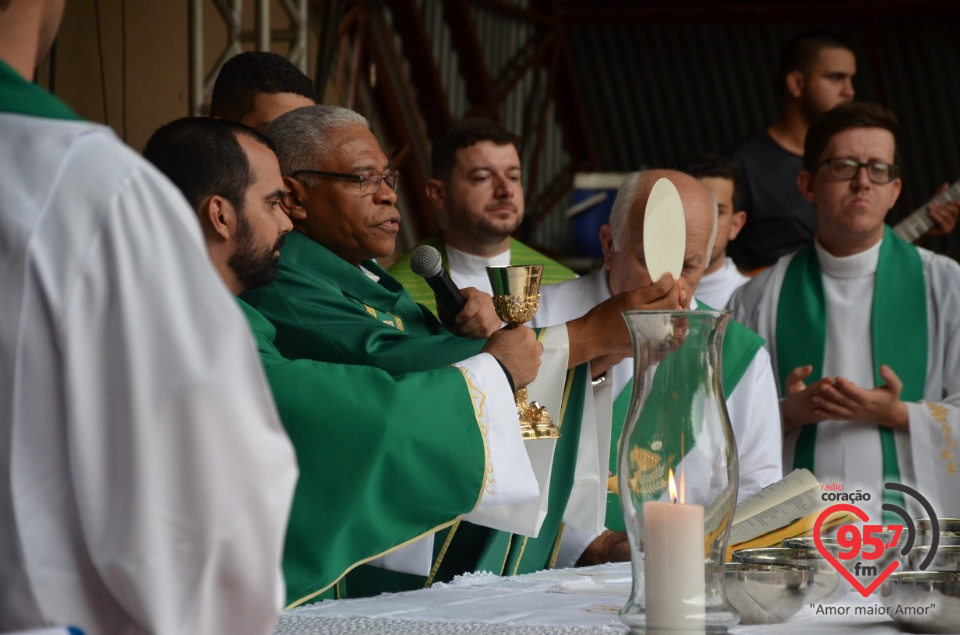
[816, 74]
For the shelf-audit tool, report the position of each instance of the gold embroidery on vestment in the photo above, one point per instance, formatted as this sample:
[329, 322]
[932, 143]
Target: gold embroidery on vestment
[479, 400]
[938, 411]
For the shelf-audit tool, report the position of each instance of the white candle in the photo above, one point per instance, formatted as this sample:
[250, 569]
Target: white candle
[673, 565]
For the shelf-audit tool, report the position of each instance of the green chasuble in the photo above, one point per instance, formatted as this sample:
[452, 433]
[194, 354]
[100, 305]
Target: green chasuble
[369, 468]
[326, 309]
[520, 254]
[740, 346]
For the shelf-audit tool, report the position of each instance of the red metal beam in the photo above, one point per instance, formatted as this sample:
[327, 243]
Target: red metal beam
[398, 108]
[473, 66]
[431, 95]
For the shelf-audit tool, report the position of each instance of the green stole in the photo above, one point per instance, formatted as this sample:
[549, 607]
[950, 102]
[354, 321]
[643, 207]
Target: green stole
[18, 96]
[740, 346]
[899, 336]
[553, 271]
[502, 553]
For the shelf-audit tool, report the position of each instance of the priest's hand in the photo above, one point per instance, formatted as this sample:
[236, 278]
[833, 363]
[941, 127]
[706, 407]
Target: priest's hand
[799, 408]
[602, 330]
[882, 404]
[607, 547]
[519, 352]
[477, 319]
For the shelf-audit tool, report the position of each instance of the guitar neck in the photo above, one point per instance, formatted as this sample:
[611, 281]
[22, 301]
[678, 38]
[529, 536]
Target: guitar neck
[919, 222]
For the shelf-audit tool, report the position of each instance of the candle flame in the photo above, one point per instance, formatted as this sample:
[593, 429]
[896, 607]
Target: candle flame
[672, 486]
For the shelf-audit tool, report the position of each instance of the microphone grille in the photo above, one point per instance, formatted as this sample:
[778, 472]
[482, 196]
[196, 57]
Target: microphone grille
[425, 261]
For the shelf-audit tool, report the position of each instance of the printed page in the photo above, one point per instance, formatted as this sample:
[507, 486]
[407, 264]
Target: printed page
[793, 484]
[783, 514]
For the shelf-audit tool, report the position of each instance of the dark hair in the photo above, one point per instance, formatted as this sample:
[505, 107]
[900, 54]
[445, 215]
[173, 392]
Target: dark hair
[463, 134]
[203, 157]
[844, 117]
[704, 164]
[800, 52]
[244, 76]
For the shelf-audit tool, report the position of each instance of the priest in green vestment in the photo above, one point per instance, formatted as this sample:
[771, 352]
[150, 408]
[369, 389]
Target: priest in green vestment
[862, 328]
[477, 193]
[371, 447]
[331, 301]
[748, 380]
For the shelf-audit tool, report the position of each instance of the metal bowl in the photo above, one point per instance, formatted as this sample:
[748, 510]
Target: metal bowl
[946, 559]
[831, 544]
[947, 525]
[828, 585]
[766, 593]
[949, 531]
[923, 601]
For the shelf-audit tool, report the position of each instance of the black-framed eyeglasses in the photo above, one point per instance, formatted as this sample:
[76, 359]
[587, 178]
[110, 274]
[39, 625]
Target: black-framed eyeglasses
[369, 180]
[878, 172]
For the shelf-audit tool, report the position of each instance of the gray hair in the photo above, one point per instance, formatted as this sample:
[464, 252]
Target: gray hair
[627, 195]
[302, 136]
[620, 212]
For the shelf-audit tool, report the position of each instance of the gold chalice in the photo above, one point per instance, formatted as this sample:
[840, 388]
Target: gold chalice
[516, 296]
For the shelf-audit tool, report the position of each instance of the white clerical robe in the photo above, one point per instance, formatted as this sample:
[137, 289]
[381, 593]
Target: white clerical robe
[716, 288]
[146, 477]
[753, 406]
[849, 452]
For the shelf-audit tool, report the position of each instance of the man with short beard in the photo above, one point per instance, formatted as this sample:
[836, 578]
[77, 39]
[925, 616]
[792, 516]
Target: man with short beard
[352, 419]
[477, 191]
[815, 74]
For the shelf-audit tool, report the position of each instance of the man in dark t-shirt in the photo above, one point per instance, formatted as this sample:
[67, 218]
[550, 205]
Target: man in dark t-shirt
[816, 72]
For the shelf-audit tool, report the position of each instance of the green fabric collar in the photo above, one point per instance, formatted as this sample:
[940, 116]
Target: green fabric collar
[305, 254]
[899, 331]
[19, 96]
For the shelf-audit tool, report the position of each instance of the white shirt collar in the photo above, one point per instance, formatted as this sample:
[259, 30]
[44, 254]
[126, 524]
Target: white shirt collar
[472, 265]
[856, 266]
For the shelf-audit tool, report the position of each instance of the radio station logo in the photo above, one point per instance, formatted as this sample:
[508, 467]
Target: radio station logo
[865, 555]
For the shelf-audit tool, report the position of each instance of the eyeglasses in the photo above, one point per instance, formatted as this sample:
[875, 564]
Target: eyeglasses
[877, 171]
[369, 180]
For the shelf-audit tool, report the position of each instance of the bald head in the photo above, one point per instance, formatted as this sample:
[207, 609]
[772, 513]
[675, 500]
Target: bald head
[622, 239]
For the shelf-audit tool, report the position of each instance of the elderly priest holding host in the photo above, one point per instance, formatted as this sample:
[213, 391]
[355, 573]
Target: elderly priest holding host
[747, 378]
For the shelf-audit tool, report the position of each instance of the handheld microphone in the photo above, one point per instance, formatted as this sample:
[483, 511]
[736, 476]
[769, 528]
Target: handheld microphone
[425, 261]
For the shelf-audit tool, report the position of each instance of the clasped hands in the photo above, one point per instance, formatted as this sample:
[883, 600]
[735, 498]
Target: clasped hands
[840, 399]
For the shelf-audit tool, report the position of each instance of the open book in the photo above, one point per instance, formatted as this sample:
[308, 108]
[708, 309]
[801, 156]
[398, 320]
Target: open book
[785, 509]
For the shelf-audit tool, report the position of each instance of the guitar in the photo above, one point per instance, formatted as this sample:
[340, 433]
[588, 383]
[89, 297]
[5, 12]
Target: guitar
[919, 222]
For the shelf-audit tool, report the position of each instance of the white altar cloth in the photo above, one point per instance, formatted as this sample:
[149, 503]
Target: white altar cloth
[559, 602]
